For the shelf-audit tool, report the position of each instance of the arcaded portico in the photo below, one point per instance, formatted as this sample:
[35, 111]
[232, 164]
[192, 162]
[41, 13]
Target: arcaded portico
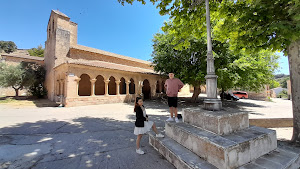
[80, 75]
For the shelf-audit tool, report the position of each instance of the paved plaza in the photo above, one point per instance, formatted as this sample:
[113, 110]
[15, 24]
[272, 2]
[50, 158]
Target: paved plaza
[99, 136]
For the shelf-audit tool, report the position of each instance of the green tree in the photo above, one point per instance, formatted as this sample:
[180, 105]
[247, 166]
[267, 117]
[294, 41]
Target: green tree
[251, 25]
[16, 77]
[274, 84]
[7, 46]
[39, 51]
[283, 94]
[37, 88]
[187, 64]
[246, 71]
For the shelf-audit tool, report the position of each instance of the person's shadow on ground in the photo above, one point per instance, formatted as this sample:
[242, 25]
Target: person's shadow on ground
[83, 143]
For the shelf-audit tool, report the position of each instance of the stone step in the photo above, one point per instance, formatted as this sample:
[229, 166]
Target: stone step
[278, 159]
[178, 155]
[219, 122]
[227, 151]
[182, 158]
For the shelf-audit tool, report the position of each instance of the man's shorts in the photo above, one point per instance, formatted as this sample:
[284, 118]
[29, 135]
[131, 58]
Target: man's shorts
[172, 101]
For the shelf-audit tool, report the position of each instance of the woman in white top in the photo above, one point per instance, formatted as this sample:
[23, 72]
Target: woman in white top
[142, 125]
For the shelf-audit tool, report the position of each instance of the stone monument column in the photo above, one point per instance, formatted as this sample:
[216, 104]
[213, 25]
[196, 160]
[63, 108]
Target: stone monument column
[211, 102]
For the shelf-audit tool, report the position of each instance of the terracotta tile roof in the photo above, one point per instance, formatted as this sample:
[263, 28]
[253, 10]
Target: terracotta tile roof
[109, 65]
[88, 49]
[24, 56]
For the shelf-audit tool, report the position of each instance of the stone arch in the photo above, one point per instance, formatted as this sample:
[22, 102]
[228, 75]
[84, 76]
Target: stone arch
[146, 90]
[99, 85]
[131, 87]
[157, 87]
[122, 86]
[112, 88]
[84, 88]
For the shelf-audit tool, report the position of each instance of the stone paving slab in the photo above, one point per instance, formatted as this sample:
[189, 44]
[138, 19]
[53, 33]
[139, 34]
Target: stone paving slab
[37, 126]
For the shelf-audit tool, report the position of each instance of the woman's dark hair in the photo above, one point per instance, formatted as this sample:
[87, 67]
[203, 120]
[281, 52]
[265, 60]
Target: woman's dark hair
[136, 105]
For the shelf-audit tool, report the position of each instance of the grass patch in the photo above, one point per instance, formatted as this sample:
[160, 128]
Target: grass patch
[7, 100]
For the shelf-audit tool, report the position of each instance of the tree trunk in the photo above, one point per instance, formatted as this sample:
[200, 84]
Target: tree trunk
[197, 91]
[294, 62]
[17, 92]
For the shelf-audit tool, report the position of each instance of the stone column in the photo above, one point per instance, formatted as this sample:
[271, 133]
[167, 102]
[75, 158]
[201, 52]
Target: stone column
[212, 102]
[93, 86]
[127, 87]
[153, 90]
[62, 86]
[140, 88]
[57, 89]
[160, 86]
[118, 86]
[77, 86]
[106, 87]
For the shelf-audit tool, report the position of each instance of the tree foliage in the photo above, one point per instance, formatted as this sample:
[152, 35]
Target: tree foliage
[39, 51]
[259, 24]
[16, 77]
[246, 71]
[25, 75]
[7, 46]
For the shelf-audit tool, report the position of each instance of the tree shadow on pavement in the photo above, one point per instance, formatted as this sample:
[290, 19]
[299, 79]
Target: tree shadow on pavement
[84, 142]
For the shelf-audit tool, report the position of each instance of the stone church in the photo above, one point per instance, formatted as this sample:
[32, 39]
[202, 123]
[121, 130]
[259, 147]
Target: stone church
[80, 75]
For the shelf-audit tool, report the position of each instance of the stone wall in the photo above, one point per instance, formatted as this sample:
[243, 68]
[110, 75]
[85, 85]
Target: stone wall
[10, 60]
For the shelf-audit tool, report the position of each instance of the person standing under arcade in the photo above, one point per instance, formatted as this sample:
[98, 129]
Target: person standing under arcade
[173, 85]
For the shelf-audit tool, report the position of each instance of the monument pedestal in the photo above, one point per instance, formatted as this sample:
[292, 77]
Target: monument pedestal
[212, 104]
[209, 139]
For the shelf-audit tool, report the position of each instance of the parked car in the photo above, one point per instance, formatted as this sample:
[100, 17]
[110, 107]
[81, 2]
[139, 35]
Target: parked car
[229, 96]
[241, 94]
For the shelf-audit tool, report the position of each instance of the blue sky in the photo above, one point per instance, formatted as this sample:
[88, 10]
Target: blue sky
[103, 24]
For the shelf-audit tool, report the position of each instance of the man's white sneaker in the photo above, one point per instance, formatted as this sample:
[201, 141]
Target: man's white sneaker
[160, 135]
[177, 120]
[170, 119]
[139, 151]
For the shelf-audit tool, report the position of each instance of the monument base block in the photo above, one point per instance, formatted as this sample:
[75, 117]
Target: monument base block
[212, 104]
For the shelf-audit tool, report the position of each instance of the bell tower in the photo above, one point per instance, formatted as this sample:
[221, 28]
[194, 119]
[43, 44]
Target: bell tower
[61, 34]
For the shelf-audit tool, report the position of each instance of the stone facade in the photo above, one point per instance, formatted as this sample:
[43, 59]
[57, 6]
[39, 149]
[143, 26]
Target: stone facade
[80, 75]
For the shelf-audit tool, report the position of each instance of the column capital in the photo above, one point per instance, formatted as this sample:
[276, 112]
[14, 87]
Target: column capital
[128, 82]
[118, 81]
[106, 81]
[93, 80]
[77, 80]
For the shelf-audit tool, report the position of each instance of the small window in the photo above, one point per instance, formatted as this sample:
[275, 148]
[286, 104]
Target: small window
[53, 25]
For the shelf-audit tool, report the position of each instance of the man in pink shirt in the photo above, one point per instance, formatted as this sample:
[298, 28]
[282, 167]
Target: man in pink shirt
[173, 85]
